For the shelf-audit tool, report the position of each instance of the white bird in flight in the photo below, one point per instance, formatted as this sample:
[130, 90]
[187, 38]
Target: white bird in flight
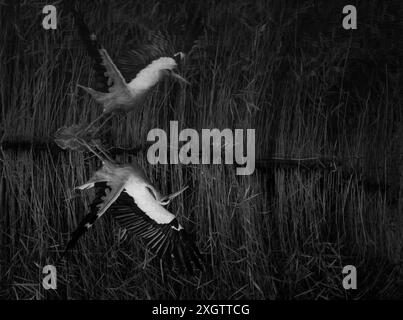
[146, 60]
[125, 96]
[125, 192]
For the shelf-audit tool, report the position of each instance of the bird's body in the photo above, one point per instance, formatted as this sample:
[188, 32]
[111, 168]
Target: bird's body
[137, 206]
[152, 74]
[123, 96]
[148, 57]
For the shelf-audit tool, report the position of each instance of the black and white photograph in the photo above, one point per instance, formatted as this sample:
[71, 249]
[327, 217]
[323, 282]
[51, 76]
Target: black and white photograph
[176, 150]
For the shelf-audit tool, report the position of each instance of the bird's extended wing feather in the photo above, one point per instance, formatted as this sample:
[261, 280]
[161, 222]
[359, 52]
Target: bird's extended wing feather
[166, 240]
[137, 56]
[91, 44]
[116, 81]
[105, 194]
[169, 241]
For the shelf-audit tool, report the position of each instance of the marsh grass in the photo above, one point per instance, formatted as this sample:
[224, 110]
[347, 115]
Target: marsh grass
[309, 89]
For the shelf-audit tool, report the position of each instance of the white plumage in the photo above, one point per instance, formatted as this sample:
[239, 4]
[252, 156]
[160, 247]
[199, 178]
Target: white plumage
[125, 192]
[151, 74]
[127, 96]
[146, 201]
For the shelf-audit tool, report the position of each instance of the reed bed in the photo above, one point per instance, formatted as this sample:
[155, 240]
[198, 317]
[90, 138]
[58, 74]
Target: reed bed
[288, 70]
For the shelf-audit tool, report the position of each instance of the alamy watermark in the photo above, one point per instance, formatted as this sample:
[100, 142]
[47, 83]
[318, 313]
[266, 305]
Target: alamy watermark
[235, 146]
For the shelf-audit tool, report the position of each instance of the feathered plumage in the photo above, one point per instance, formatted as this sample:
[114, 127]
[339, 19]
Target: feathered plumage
[127, 96]
[126, 193]
[91, 44]
[146, 62]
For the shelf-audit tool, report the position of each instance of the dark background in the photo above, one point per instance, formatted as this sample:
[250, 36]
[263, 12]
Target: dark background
[326, 106]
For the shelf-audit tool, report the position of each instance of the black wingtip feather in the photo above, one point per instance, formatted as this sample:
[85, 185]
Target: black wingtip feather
[91, 44]
[177, 259]
[196, 258]
[166, 241]
[193, 251]
[185, 253]
[78, 233]
[89, 219]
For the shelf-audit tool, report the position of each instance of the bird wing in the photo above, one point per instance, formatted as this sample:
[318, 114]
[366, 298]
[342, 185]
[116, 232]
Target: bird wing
[104, 198]
[169, 241]
[138, 56]
[91, 44]
[116, 82]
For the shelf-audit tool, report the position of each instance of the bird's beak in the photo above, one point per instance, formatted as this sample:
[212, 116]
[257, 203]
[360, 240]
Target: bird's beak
[167, 199]
[179, 78]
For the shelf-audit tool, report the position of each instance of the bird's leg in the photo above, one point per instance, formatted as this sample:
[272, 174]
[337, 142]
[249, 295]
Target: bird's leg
[104, 122]
[85, 144]
[91, 123]
[105, 154]
[102, 157]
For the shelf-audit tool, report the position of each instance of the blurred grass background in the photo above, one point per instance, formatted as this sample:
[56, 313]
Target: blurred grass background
[286, 68]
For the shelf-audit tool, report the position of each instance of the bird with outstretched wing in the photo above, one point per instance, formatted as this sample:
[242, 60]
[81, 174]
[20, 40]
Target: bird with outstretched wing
[125, 192]
[145, 61]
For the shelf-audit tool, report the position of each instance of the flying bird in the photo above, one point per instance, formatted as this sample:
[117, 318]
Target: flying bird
[125, 192]
[145, 61]
[126, 96]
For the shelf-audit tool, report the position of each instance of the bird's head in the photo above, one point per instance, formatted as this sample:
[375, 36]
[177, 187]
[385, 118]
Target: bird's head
[169, 66]
[178, 57]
